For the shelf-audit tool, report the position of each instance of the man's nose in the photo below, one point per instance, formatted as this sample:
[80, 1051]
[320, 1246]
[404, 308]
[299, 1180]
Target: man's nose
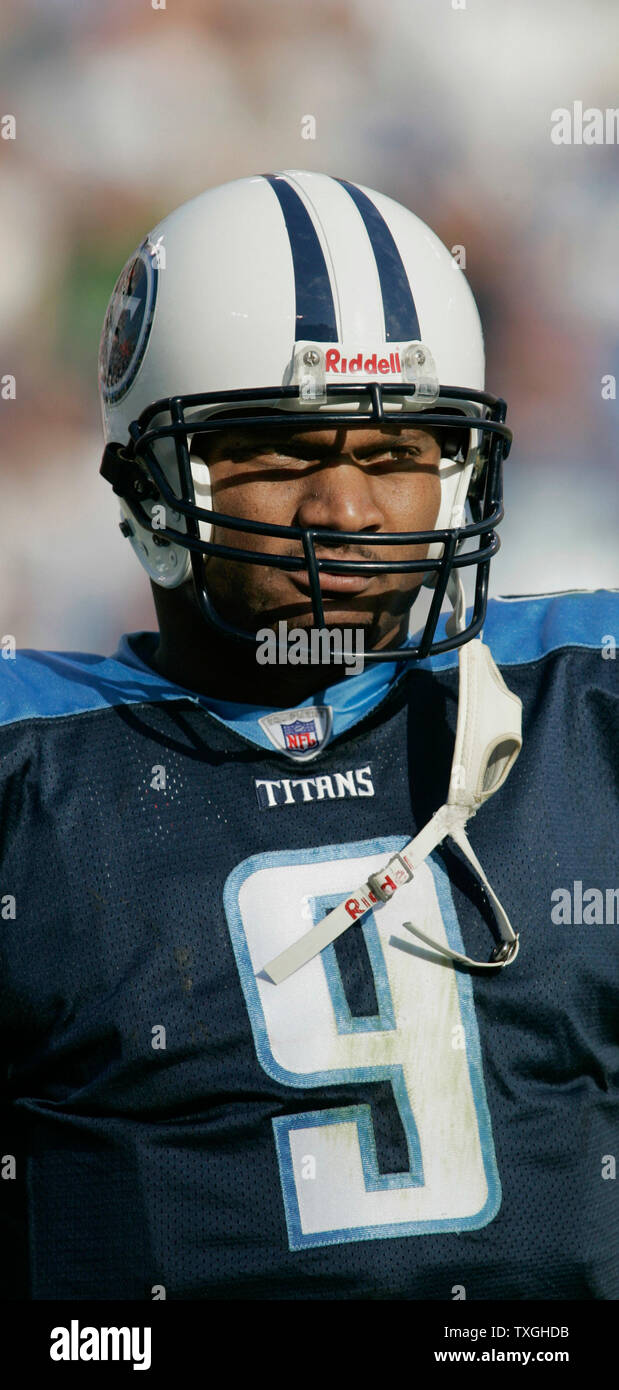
[339, 497]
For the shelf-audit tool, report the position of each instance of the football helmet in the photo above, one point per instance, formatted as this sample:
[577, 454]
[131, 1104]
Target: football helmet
[298, 297]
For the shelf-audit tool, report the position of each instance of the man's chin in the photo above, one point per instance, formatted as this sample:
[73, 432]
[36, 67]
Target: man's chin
[353, 612]
[361, 631]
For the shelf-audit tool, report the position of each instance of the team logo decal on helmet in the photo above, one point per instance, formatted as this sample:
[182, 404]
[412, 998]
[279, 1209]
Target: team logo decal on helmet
[128, 323]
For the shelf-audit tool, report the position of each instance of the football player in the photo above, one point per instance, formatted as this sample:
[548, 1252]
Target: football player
[267, 1028]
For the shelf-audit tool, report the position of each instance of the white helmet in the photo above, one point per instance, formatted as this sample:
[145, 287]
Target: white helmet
[304, 294]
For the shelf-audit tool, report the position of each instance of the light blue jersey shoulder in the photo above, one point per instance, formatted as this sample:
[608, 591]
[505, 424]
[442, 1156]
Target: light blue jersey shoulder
[52, 685]
[526, 629]
[48, 685]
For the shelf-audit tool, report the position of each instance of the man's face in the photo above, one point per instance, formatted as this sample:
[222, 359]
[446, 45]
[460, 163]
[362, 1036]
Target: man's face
[349, 478]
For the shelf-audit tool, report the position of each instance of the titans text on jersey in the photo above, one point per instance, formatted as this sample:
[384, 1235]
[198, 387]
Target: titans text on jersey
[382, 1124]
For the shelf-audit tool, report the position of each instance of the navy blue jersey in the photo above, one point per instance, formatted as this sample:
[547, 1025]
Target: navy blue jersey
[382, 1125]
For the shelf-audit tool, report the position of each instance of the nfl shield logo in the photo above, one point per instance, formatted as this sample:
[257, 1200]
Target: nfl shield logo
[301, 734]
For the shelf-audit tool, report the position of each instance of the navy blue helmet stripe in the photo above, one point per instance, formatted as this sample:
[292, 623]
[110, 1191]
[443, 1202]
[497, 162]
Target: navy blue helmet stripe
[401, 321]
[315, 308]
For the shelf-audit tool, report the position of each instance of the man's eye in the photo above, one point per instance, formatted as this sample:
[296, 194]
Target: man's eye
[278, 458]
[240, 453]
[264, 454]
[403, 455]
[272, 455]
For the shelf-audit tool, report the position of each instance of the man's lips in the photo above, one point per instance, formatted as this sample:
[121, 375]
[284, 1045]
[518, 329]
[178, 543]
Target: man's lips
[332, 583]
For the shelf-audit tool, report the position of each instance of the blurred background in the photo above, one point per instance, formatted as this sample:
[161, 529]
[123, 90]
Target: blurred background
[123, 111]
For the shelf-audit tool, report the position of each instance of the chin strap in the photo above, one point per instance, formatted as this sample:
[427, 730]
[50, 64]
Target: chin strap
[488, 741]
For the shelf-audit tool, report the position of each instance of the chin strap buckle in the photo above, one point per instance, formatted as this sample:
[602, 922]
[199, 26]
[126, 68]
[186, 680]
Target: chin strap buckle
[506, 952]
[385, 882]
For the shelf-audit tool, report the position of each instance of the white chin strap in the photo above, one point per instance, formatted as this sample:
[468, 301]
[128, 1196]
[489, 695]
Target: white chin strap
[488, 741]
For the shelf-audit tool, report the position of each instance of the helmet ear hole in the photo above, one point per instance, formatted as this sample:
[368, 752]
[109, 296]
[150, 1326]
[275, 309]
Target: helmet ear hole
[455, 444]
[450, 445]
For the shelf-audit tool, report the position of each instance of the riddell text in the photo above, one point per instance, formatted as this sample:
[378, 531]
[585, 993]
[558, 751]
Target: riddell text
[334, 362]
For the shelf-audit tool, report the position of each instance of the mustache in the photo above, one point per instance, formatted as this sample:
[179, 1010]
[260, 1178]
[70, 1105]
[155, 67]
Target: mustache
[326, 549]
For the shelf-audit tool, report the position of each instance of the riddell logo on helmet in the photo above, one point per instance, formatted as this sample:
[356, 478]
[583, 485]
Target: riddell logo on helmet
[336, 362]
